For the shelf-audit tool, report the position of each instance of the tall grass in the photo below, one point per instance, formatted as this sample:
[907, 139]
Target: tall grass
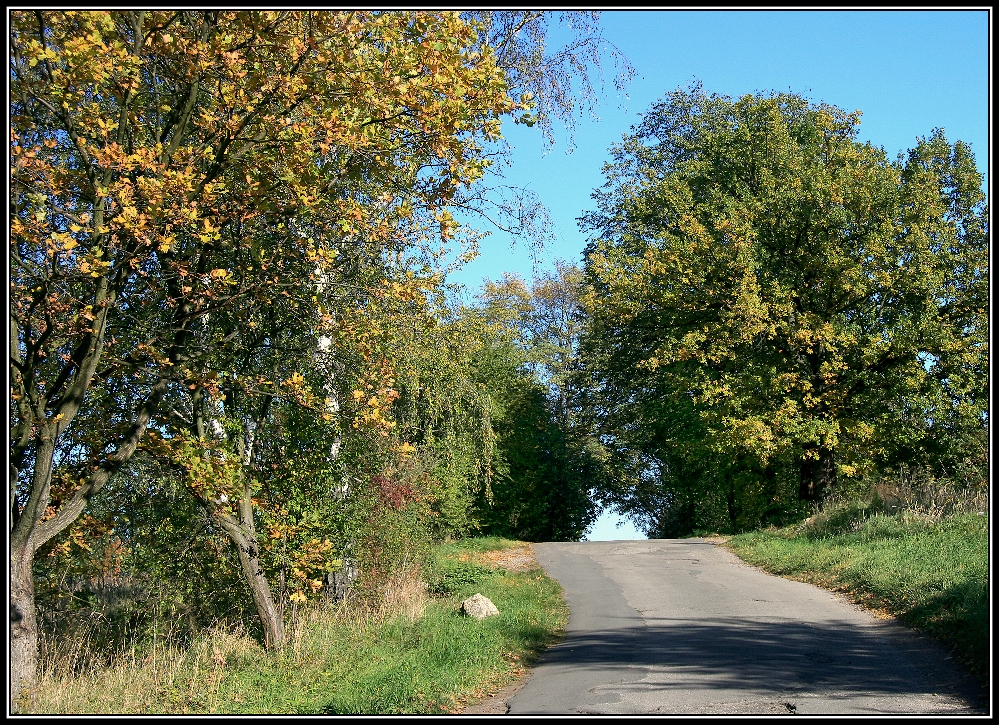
[412, 653]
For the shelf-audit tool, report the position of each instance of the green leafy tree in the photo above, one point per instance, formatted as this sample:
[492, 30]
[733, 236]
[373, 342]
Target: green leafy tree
[527, 361]
[768, 292]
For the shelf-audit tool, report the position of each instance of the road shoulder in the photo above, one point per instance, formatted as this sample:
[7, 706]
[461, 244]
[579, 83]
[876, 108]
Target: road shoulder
[497, 703]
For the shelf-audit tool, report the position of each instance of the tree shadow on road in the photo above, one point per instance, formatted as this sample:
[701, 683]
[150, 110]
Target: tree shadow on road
[721, 653]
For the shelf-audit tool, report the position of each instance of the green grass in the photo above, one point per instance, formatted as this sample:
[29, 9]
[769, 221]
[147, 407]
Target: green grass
[932, 575]
[427, 659]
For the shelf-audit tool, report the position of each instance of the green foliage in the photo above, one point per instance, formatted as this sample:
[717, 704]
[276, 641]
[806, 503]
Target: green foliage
[228, 241]
[776, 309]
[537, 493]
[142, 556]
[454, 578]
[526, 358]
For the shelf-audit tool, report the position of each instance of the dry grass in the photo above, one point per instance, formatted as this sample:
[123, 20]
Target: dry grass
[917, 492]
[155, 677]
[165, 676]
[404, 594]
[519, 558]
[912, 495]
[404, 653]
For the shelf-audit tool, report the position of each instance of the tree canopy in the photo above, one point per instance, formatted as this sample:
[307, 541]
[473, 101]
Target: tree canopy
[769, 294]
[237, 371]
[545, 468]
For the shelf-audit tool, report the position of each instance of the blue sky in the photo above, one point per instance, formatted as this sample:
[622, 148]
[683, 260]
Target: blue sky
[907, 71]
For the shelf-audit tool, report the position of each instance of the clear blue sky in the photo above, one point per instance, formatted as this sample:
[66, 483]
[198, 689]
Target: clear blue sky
[907, 71]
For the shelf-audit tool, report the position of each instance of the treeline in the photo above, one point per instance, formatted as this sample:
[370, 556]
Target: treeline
[234, 370]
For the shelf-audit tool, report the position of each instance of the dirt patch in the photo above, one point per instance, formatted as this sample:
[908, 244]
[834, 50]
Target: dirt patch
[716, 538]
[520, 558]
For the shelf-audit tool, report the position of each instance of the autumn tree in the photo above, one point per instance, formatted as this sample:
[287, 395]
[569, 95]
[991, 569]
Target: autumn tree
[544, 320]
[769, 293]
[413, 403]
[175, 175]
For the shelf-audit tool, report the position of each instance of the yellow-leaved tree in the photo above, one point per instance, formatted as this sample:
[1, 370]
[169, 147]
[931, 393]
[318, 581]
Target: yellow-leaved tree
[184, 186]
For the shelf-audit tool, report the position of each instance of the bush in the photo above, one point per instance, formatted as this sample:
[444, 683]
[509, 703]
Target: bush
[456, 576]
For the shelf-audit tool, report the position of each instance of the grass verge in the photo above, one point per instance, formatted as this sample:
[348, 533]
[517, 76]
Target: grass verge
[418, 654]
[931, 574]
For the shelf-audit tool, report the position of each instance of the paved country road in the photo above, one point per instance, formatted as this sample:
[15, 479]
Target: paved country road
[682, 626]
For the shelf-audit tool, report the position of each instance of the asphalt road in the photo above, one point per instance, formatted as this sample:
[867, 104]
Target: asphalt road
[682, 626]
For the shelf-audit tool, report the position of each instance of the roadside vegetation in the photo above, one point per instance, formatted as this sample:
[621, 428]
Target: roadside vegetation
[915, 549]
[777, 312]
[413, 653]
[787, 339]
[237, 370]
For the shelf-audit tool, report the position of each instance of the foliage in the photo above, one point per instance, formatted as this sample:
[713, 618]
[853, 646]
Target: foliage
[544, 470]
[135, 560]
[338, 660]
[158, 162]
[776, 309]
[539, 493]
[197, 197]
[227, 232]
[456, 577]
[442, 419]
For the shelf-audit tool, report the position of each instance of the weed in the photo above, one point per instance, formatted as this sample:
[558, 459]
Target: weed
[454, 577]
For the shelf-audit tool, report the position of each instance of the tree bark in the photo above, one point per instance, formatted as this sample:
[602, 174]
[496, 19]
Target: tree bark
[24, 541]
[249, 559]
[23, 624]
[818, 475]
[240, 529]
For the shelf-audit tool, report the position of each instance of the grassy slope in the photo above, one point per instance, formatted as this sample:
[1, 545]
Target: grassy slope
[340, 664]
[932, 575]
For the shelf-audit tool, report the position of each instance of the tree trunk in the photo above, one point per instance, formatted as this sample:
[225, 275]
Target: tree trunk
[29, 531]
[243, 536]
[23, 624]
[818, 475]
[253, 572]
[240, 528]
[24, 540]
